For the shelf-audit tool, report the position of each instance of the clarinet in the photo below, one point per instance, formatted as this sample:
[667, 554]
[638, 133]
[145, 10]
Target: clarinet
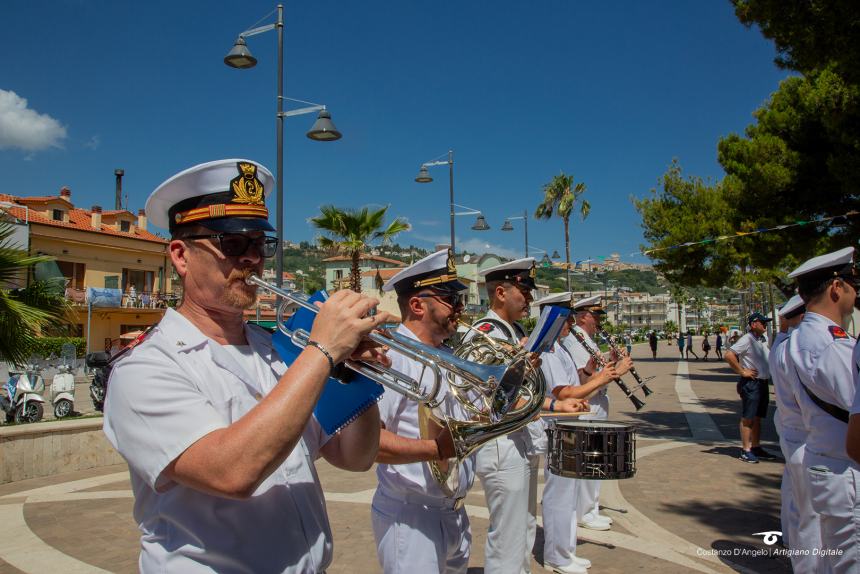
[601, 362]
[640, 384]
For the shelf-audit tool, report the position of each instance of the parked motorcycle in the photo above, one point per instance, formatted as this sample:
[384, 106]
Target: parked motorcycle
[23, 402]
[98, 362]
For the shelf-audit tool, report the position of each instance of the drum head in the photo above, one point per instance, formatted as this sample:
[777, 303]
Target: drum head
[608, 425]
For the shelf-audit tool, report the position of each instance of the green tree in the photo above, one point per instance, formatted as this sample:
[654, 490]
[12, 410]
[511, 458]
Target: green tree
[351, 231]
[689, 209]
[809, 34]
[561, 196]
[24, 310]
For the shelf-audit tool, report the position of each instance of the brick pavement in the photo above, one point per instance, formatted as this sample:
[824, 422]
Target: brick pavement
[687, 497]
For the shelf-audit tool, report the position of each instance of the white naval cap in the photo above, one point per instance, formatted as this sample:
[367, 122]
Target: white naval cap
[792, 307]
[557, 299]
[437, 271]
[520, 271]
[227, 195]
[589, 304]
[824, 266]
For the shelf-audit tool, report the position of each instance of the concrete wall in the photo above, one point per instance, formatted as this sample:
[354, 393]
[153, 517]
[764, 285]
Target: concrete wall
[45, 449]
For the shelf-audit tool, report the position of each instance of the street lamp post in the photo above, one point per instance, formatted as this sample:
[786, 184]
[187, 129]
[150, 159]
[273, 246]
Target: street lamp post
[424, 177]
[323, 129]
[508, 227]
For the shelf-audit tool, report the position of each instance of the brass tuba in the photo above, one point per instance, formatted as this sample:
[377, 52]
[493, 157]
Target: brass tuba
[476, 413]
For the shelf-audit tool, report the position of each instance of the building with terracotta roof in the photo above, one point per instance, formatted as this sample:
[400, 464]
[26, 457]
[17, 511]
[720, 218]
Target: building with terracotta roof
[100, 249]
[338, 268]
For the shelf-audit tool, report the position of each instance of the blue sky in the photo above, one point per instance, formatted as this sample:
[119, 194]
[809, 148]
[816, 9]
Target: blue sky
[608, 92]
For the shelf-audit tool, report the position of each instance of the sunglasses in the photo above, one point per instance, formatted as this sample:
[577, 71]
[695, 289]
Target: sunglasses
[236, 244]
[450, 299]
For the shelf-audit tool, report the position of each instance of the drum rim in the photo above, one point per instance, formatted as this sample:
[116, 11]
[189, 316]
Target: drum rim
[594, 424]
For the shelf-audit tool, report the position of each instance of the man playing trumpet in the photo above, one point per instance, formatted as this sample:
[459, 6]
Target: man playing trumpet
[218, 433]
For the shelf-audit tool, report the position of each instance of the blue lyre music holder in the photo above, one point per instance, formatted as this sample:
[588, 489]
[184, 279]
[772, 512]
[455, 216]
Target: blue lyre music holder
[340, 403]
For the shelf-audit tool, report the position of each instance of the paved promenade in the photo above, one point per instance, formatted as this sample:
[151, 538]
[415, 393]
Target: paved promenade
[692, 507]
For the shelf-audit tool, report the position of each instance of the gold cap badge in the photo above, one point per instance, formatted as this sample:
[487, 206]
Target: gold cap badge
[247, 187]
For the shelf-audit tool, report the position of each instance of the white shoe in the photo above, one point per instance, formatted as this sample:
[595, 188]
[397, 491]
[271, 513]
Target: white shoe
[606, 518]
[581, 561]
[595, 524]
[572, 568]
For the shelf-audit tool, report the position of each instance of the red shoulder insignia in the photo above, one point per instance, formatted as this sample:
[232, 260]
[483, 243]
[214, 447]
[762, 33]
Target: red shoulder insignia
[837, 332]
[485, 328]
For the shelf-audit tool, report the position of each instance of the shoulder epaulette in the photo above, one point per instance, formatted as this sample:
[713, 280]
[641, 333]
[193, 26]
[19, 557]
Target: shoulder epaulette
[837, 332]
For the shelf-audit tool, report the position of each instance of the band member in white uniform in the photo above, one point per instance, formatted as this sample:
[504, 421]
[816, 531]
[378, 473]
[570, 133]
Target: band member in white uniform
[560, 493]
[504, 468]
[218, 433]
[418, 525]
[588, 314]
[800, 528]
[820, 354]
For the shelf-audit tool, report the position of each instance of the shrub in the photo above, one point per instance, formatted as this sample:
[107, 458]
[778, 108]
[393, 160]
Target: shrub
[47, 346]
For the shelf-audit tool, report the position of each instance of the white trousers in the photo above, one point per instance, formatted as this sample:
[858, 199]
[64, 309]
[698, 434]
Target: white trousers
[559, 505]
[800, 527]
[588, 502]
[833, 486]
[413, 538]
[505, 473]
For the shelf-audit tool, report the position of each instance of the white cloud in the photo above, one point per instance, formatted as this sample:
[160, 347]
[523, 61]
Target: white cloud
[94, 142]
[24, 128]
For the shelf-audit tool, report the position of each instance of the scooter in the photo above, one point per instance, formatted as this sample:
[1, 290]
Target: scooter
[23, 402]
[63, 391]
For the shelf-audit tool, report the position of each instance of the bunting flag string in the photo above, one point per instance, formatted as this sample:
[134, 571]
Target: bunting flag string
[799, 223]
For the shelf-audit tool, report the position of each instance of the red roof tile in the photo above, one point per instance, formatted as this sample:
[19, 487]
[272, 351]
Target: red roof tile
[79, 219]
[366, 257]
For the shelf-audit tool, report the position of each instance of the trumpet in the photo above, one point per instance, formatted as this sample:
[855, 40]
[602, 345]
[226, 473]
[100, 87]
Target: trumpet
[601, 362]
[501, 382]
[640, 384]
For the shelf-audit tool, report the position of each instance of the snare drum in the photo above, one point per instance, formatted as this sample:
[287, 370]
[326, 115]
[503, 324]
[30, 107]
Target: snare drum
[594, 450]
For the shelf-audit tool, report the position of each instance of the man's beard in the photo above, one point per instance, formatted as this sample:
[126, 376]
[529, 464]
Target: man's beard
[243, 297]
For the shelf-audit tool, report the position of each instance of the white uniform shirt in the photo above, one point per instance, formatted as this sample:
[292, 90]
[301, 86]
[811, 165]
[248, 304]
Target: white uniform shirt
[600, 401]
[788, 419]
[176, 387]
[558, 368]
[752, 353]
[855, 360]
[399, 414]
[820, 353]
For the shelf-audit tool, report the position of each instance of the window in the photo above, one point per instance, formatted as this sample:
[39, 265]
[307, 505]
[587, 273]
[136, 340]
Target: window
[111, 281]
[141, 280]
[338, 274]
[73, 272]
[125, 226]
[57, 215]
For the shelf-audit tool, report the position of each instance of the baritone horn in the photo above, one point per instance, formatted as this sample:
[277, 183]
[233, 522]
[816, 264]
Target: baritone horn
[472, 414]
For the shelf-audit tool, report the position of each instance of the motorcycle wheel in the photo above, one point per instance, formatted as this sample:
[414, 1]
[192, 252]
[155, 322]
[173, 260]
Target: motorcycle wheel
[32, 414]
[63, 408]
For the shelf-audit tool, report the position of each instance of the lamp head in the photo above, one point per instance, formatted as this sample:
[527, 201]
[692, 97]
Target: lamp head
[423, 175]
[555, 254]
[480, 224]
[240, 56]
[323, 129]
[506, 226]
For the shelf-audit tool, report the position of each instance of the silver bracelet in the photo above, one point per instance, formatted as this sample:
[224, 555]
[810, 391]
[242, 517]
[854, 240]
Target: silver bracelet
[325, 352]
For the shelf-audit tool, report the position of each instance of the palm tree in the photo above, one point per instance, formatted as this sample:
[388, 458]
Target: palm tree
[24, 311]
[350, 231]
[561, 195]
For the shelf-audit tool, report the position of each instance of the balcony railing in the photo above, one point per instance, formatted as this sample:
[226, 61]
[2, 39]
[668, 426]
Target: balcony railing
[138, 300]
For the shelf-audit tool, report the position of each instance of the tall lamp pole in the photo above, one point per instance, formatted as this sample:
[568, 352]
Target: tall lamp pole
[424, 177]
[508, 227]
[323, 129]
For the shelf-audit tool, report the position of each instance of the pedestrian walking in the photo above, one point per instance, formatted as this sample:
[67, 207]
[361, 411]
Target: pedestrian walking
[681, 340]
[690, 345]
[718, 348]
[706, 346]
[652, 342]
[628, 343]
